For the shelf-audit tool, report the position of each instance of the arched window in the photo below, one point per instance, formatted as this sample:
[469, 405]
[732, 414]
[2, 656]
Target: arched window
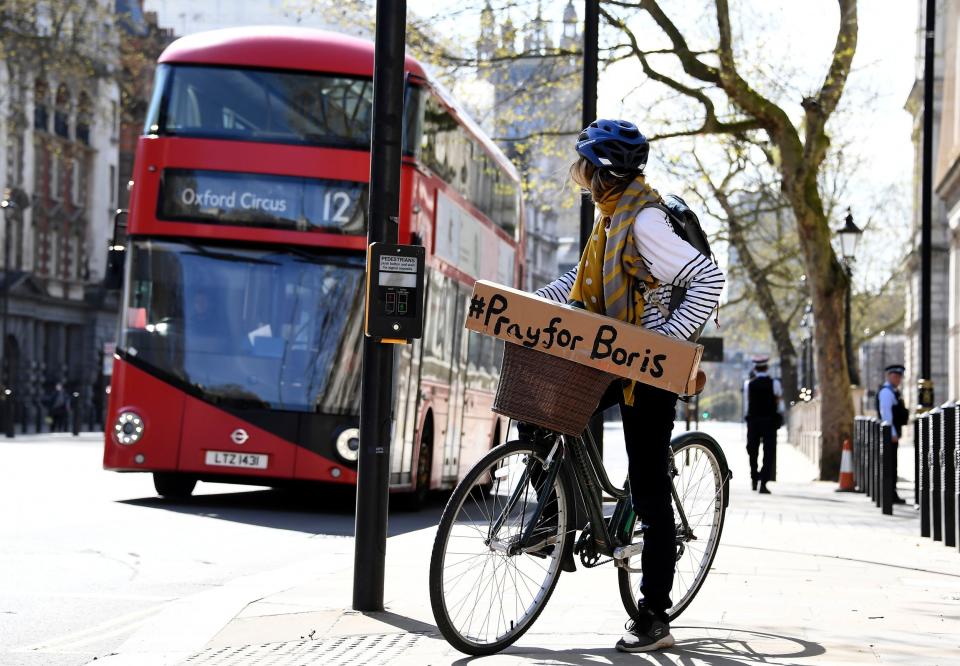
[79, 255]
[42, 246]
[61, 113]
[40, 102]
[64, 266]
[84, 114]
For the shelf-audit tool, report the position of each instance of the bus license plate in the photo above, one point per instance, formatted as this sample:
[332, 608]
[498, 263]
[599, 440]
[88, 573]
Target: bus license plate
[233, 459]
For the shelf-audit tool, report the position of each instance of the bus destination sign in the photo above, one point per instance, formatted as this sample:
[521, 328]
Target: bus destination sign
[259, 200]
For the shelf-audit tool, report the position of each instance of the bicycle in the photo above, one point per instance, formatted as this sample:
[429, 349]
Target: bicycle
[508, 525]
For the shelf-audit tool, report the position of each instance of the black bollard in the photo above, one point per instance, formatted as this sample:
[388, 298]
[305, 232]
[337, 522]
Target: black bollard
[857, 424]
[916, 461]
[888, 481]
[75, 413]
[933, 473]
[877, 462]
[867, 460]
[923, 474]
[9, 419]
[956, 490]
[948, 443]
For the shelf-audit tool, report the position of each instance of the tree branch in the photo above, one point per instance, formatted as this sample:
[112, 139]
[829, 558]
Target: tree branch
[711, 124]
[819, 108]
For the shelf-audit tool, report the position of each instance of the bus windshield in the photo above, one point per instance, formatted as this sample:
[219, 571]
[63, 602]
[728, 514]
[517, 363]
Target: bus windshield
[261, 105]
[248, 328]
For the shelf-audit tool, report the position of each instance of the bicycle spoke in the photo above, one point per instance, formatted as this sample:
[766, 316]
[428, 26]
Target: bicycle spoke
[699, 492]
[489, 594]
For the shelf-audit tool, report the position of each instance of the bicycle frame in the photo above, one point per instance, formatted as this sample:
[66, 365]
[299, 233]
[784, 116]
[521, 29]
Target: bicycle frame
[582, 458]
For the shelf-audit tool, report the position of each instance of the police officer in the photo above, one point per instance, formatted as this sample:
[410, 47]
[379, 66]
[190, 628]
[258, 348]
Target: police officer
[891, 409]
[763, 412]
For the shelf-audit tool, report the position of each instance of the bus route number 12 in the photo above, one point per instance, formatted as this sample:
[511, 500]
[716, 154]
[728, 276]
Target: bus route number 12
[337, 203]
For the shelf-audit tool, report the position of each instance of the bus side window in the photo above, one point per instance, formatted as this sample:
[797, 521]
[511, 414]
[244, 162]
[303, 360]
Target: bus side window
[460, 160]
[475, 349]
[413, 110]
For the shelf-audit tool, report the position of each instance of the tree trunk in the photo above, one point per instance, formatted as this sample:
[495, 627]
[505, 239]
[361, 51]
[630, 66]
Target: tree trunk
[828, 283]
[788, 371]
[836, 400]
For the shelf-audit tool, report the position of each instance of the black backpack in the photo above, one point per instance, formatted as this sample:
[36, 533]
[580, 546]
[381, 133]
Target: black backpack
[686, 225]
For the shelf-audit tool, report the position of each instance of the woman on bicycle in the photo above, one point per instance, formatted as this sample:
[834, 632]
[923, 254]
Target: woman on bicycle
[629, 267]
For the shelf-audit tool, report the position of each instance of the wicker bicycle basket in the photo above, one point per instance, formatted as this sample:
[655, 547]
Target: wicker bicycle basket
[552, 392]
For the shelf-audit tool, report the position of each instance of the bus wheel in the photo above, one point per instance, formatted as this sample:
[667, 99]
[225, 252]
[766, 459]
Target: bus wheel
[424, 465]
[173, 486]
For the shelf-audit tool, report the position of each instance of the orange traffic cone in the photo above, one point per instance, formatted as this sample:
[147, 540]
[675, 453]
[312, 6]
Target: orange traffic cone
[846, 468]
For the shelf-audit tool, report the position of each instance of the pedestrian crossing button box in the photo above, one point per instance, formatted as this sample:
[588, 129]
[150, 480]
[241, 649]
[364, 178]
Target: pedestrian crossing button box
[394, 292]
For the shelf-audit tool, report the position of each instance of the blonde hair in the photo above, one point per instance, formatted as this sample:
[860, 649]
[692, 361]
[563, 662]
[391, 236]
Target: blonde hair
[600, 183]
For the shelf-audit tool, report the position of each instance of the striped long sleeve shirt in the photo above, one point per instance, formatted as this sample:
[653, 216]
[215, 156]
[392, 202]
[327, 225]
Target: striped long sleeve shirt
[673, 262]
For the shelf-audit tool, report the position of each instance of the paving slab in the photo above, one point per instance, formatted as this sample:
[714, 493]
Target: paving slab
[803, 576]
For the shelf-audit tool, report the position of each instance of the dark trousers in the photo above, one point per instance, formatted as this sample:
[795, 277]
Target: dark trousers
[647, 425]
[762, 428]
[58, 420]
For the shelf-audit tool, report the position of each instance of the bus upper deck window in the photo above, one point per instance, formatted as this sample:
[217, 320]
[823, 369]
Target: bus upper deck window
[241, 104]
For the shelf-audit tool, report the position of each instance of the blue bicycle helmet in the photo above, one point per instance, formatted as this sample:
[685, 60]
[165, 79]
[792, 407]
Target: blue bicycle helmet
[614, 144]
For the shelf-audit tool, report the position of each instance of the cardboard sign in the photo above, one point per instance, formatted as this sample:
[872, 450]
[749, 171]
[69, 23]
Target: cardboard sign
[584, 337]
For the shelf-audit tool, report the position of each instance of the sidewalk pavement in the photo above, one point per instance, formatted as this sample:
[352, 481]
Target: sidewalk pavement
[803, 576]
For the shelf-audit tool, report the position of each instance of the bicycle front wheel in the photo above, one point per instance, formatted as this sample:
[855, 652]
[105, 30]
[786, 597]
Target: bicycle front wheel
[485, 591]
[699, 471]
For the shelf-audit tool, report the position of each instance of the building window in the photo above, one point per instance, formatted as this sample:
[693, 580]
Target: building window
[79, 260]
[113, 186]
[61, 113]
[19, 244]
[76, 183]
[64, 246]
[40, 101]
[54, 177]
[84, 113]
[114, 119]
[41, 249]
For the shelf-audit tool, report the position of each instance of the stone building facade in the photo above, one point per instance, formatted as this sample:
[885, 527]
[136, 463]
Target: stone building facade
[946, 181]
[537, 99]
[59, 129]
[944, 381]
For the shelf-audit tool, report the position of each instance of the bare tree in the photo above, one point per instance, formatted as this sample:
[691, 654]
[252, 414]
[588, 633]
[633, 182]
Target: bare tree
[714, 78]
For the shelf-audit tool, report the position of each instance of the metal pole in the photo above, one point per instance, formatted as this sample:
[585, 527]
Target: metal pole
[376, 394]
[848, 335]
[925, 398]
[8, 417]
[591, 37]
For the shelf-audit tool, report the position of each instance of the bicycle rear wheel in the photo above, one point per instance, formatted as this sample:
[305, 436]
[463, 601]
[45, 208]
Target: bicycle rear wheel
[483, 596]
[699, 472]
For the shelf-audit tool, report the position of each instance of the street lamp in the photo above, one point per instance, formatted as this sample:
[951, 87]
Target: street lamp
[808, 378]
[849, 235]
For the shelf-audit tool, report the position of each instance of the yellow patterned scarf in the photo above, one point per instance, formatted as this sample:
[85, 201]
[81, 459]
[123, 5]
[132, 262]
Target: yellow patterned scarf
[611, 267]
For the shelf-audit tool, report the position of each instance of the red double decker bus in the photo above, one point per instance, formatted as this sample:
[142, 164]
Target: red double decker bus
[238, 355]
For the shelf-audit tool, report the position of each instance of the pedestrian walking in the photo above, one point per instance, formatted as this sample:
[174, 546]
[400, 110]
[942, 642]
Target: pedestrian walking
[58, 402]
[763, 412]
[891, 409]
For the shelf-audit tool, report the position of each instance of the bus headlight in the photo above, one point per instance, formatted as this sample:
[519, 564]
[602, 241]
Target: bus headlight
[128, 428]
[348, 444]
